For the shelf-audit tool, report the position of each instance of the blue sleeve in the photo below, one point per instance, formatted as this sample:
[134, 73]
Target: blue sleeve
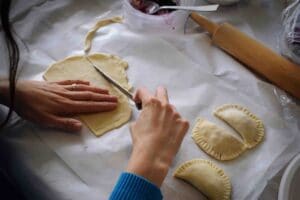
[134, 187]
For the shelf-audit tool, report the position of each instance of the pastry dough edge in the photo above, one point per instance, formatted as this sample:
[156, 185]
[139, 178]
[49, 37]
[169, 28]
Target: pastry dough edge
[259, 124]
[220, 172]
[208, 149]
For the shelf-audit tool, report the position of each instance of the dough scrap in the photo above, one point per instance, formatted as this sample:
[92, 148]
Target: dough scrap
[77, 67]
[206, 177]
[216, 141]
[243, 121]
[90, 35]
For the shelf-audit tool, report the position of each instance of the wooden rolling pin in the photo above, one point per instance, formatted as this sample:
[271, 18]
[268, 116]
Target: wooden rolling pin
[254, 55]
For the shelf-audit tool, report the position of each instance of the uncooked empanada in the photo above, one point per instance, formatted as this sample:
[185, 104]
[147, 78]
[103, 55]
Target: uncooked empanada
[243, 121]
[206, 177]
[216, 141]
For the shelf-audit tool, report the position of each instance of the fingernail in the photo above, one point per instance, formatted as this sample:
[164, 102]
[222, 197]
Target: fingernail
[76, 123]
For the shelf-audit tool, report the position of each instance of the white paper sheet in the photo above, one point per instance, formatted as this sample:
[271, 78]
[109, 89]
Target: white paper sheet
[199, 78]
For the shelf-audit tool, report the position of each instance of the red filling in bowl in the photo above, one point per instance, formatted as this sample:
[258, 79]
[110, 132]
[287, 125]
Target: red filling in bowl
[142, 5]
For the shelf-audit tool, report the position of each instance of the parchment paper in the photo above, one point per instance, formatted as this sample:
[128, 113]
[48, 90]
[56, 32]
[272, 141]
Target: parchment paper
[199, 78]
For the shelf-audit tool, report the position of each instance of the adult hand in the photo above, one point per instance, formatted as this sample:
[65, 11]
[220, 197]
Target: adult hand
[54, 104]
[156, 135]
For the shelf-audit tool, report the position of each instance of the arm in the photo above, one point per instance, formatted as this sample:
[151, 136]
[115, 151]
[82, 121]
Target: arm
[134, 187]
[156, 135]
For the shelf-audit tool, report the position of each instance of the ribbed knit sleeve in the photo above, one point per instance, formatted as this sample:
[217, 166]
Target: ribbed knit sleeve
[134, 187]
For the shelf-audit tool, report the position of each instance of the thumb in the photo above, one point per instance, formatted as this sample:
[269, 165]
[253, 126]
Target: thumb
[64, 123]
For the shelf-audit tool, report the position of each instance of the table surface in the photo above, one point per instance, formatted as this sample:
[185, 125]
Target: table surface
[260, 17]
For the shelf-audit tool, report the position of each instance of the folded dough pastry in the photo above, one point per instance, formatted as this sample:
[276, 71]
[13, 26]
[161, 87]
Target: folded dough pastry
[243, 121]
[216, 141]
[206, 177]
[78, 68]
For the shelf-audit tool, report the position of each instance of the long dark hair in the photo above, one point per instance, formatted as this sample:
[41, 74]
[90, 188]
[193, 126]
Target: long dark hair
[13, 53]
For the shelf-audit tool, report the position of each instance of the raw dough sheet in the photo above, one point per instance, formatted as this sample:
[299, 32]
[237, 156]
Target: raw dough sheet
[199, 77]
[78, 68]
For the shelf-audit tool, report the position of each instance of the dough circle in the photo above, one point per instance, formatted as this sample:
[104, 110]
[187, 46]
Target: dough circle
[78, 68]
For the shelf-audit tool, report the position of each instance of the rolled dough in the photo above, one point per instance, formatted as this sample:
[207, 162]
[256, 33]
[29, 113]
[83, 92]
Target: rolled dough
[77, 67]
[90, 35]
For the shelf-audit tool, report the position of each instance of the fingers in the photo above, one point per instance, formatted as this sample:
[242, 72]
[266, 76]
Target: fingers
[80, 85]
[80, 107]
[67, 124]
[83, 87]
[70, 82]
[142, 95]
[183, 127]
[89, 96]
[82, 91]
[162, 95]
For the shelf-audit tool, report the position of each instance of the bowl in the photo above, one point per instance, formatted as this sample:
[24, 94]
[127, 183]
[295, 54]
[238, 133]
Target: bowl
[290, 181]
[166, 23]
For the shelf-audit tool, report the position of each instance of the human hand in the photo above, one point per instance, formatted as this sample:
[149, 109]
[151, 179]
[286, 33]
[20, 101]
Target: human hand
[54, 104]
[156, 136]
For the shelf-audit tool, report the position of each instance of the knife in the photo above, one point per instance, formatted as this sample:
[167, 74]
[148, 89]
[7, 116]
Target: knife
[115, 83]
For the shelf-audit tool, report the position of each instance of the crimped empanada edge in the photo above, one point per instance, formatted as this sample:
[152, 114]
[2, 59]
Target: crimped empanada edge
[259, 124]
[207, 148]
[220, 172]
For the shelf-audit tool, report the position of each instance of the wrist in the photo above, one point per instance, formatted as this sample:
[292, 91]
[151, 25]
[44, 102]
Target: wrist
[149, 166]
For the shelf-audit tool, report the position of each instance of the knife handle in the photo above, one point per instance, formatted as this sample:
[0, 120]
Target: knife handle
[139, 105]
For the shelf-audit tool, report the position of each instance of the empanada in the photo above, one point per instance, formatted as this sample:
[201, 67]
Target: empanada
[243, 121]
[206, 177]
[217, 142]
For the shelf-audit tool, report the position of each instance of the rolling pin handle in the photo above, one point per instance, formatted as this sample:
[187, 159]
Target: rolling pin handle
[139, 105]
[205, 23]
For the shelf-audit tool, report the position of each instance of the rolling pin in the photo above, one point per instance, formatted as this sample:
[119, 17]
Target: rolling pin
[257, 57]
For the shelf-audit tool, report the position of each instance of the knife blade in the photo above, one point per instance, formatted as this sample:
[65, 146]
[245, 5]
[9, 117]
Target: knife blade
[115, 83]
